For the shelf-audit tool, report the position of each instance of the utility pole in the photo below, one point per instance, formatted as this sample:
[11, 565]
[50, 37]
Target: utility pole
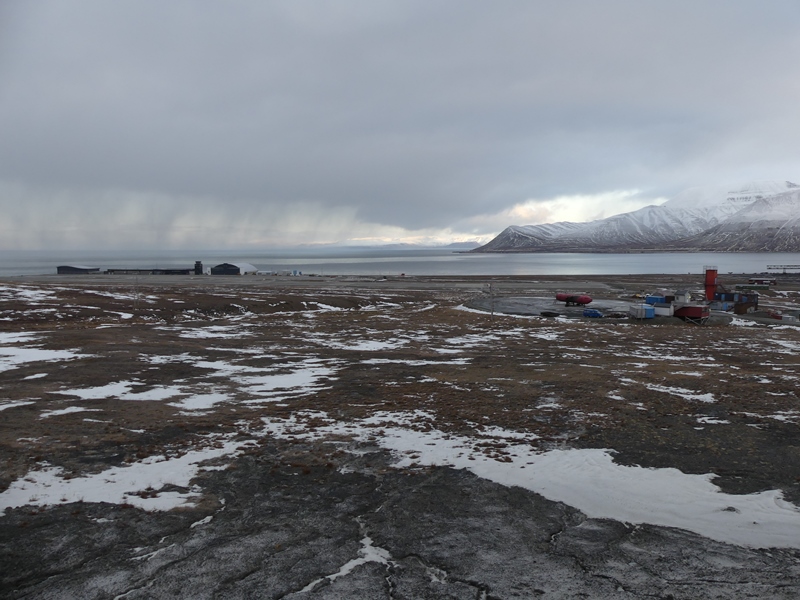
[491, 301]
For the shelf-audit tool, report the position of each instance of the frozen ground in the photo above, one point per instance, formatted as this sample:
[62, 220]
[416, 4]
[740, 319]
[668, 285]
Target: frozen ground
[380, 441]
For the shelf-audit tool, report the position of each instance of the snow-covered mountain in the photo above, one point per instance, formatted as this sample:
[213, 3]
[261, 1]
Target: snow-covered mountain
[528, 238]
[720, 217]
[770, 224]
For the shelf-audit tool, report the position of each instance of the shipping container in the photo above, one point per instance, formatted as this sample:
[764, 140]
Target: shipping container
[663, 309]
[637, 311]
[642, 311]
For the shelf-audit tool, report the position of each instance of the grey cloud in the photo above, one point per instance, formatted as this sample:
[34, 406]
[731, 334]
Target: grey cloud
[411, 114]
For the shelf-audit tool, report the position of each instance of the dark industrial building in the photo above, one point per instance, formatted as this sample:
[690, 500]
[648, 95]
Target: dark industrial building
[79, 269]
[125, 271]
[76, 270]
[233, 269]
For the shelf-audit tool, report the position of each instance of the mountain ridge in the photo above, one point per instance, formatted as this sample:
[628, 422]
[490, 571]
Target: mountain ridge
[758, 216]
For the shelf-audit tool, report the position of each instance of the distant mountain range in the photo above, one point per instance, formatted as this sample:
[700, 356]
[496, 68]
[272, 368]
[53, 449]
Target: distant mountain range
[760, 216]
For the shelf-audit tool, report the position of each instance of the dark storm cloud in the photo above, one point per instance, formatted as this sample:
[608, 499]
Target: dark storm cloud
[412, 114]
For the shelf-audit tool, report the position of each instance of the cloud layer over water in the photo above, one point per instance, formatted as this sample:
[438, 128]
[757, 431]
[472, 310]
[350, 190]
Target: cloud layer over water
[288, 122]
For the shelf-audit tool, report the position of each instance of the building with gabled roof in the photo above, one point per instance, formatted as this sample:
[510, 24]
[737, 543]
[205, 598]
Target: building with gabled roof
[234, 269]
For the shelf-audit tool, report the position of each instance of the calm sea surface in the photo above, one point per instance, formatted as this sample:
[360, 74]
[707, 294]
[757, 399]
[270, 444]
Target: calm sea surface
[408, 262]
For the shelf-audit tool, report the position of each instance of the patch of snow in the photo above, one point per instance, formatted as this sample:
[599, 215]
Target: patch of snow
[414, 363]
[712, 421]
[368, 553]
[682, 392]
[5, 405]
[671, 357]
[549, 336]
[65, 411]
[743, 322]
[505, 434]
[304, 378]
[463, 308]
[25, 293]
[549, 403]
[204, 521]
[789, 347]
[111, 390]
[328, 307]
[786, 416]
[37, 376]
[12, 357]
[161, 392]
[212, 332]
[118, 485]
[361, 344]
[13, 338]
[201, 401]
[589, 480]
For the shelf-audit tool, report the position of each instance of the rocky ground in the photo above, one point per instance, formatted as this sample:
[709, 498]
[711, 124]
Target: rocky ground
[346, 438]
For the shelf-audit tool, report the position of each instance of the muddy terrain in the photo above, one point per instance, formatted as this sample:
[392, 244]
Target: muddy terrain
[266, 437]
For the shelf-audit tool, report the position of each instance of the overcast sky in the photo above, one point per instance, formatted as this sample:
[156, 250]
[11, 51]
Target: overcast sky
[246, 124]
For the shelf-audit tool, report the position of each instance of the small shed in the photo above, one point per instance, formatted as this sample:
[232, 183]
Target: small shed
[233, 269]
[663, 309]
[683, 296]
[76, 269]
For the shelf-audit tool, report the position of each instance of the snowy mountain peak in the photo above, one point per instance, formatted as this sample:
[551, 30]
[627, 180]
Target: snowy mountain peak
[712, 217]
[728, 197]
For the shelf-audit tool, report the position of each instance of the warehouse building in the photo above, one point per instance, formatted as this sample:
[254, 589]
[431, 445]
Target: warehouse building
[234, 269]
[76, 270]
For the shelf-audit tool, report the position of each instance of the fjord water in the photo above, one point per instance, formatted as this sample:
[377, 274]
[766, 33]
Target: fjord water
[392, 262]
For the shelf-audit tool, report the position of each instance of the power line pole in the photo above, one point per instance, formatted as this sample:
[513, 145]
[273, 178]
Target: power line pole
[491, 301]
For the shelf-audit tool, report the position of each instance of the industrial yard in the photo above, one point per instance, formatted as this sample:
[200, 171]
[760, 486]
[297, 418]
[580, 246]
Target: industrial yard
[341, 437]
